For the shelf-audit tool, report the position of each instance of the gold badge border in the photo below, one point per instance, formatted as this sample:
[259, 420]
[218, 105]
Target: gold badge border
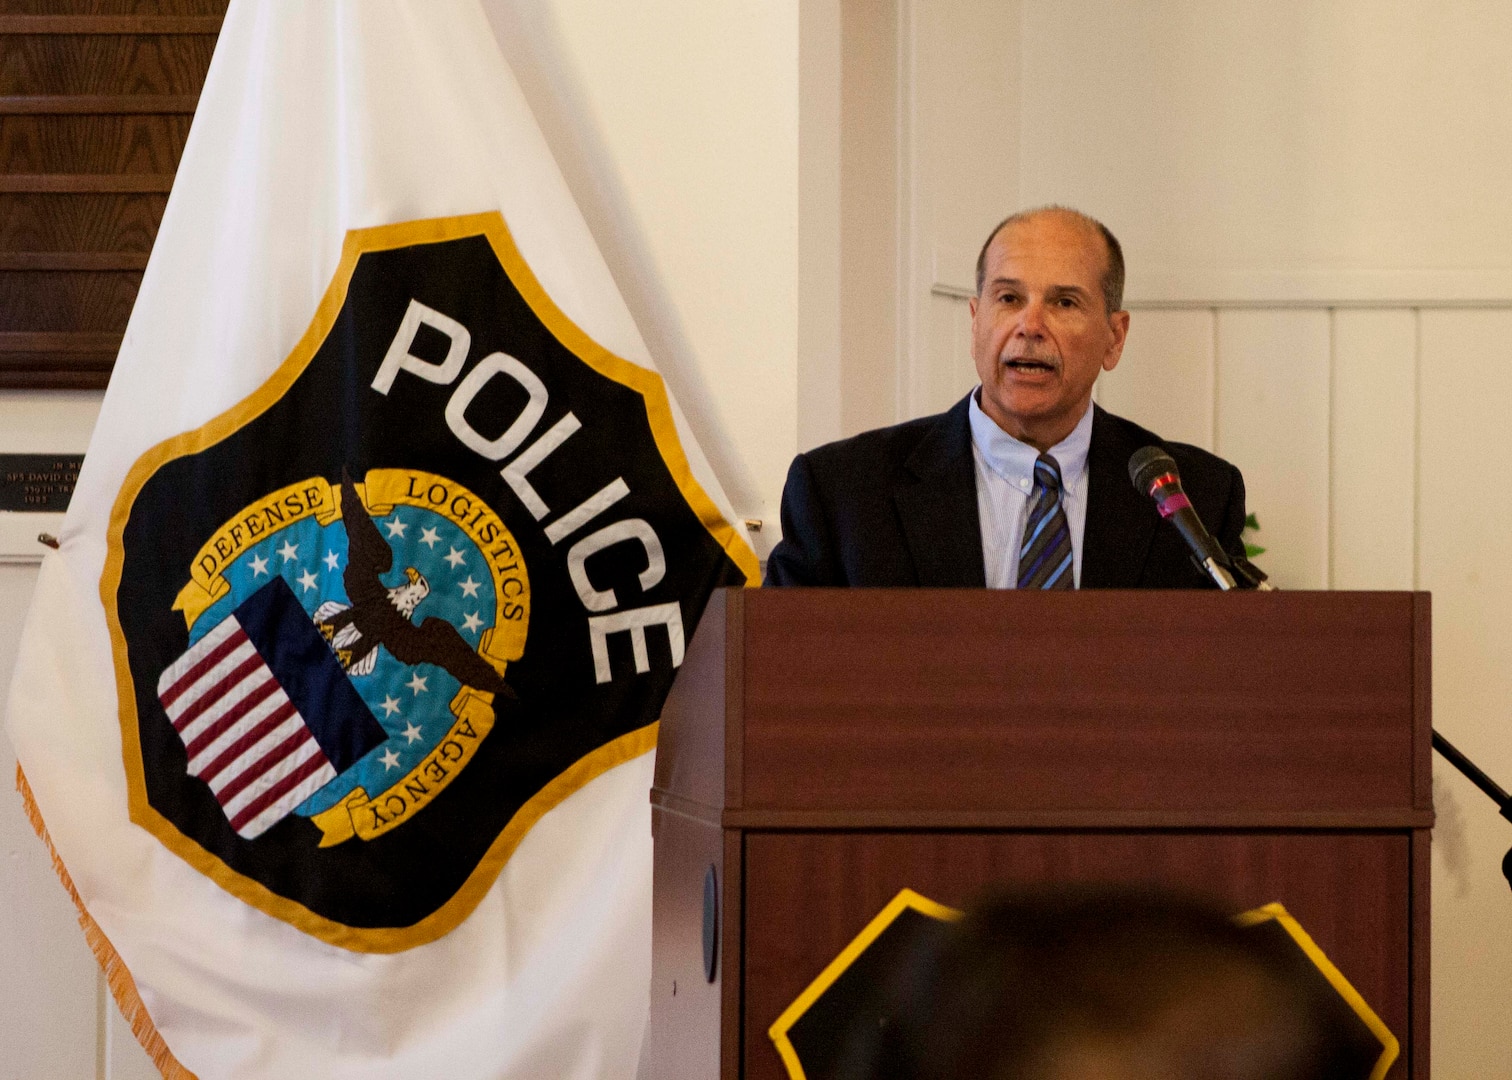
[628, 746]
[908, 899]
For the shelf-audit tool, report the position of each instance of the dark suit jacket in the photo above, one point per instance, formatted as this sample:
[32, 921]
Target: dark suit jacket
[898, 507]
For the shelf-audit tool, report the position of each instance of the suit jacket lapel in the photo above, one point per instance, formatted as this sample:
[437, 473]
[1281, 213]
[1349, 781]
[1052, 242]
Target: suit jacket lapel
[1120, 522]
[938, 514]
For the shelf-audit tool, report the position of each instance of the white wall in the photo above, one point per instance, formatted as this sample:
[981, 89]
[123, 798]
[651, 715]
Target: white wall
[677, 126]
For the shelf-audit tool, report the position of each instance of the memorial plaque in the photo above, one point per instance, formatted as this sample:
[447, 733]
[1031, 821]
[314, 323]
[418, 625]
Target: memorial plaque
[38, 482]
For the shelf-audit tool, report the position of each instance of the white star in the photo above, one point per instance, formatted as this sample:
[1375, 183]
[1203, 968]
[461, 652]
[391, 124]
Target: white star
[308, 581]
[429, 538]
[259, 565]
[395, 528]
[455, 557]
[411, 732]
[468, 587]
[417, 684]
[390, 705]
[331, 559]
[390, 760]
[289, 551]
[472, 622]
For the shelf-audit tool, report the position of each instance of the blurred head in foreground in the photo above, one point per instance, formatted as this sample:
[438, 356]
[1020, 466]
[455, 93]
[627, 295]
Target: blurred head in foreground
[1099, 984]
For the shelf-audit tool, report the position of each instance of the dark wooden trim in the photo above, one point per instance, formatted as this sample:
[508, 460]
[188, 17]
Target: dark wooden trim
[732, 950]
[1014, 820]
[88, 183]
[826, 820]
[1419, 1003]
[97, 104]
[1422, 700]
[110, 24]
[35, 378]
[734, 780]
[73, 260]
[59, 341]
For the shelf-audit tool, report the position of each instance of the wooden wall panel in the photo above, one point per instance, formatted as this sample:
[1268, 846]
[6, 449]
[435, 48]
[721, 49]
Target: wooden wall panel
[113, 7]
[1374, 454]
[96, 99]
[1165, 379]
[1273, 414]
[52, 222]
[67, 300]
[103, 63]
[140, 143]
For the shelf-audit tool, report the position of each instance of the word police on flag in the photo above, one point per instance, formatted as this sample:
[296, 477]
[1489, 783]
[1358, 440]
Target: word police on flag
[517, 474]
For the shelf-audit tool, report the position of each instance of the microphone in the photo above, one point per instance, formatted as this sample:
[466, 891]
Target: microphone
[1154, 472]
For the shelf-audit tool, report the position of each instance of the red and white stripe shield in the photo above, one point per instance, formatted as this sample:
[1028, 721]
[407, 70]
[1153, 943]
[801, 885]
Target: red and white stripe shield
[243, 735]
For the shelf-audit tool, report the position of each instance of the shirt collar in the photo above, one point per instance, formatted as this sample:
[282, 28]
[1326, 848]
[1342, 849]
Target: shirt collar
[1014, 460]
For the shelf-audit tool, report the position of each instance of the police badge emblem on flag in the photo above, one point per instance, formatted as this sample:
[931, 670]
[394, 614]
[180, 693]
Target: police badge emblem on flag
[433, 576]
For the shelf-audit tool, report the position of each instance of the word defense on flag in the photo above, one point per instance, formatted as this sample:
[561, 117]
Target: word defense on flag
[337, 703]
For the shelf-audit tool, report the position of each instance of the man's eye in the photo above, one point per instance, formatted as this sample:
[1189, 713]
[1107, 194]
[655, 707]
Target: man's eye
[1067, 301]
[1007, 298]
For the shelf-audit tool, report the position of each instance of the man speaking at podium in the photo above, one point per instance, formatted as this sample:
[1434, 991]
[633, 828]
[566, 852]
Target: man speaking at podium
[1024, 483]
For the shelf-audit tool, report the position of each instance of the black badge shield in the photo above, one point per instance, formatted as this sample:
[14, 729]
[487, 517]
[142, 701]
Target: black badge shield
[432, 577]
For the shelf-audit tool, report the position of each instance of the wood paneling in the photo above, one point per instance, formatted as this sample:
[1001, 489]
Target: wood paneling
[52, 63]
[808, 894]
[42, 222]
[56, 8]
[96, 99]
[110, 143]
[64, 300]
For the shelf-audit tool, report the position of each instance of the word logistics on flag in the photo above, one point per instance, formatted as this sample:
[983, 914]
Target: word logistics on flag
[433, 576]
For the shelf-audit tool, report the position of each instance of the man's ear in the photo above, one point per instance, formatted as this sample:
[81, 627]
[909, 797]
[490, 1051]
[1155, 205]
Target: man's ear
[1118, 322]
[971, 304]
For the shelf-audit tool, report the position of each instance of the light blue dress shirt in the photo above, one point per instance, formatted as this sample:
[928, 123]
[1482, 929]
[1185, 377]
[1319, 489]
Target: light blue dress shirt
[1005, 481]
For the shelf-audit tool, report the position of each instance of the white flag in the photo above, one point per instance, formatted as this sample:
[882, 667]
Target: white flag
[336, 703]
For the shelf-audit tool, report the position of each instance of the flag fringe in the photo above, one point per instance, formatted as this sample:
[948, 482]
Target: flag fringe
[122, 985]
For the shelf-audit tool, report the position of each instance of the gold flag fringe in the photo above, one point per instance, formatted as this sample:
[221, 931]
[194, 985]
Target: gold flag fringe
[122, 985]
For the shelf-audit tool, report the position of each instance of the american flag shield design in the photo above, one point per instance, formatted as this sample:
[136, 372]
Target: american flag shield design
[265, 711]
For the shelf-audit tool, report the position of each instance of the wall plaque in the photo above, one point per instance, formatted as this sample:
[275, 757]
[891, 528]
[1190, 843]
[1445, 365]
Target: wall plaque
[38, 482]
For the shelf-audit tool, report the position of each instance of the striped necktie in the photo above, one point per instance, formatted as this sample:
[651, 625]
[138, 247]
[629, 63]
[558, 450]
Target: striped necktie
[1045, 557]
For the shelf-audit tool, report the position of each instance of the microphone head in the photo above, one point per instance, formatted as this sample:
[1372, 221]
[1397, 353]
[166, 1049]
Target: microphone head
[1148, 464]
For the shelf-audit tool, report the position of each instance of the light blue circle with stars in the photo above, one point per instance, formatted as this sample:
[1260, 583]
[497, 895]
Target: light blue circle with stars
[411, 702]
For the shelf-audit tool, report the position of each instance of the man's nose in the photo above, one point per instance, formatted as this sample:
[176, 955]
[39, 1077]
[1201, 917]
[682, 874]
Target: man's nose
[1031, 322]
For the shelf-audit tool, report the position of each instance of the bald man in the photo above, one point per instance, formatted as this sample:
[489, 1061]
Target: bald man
[1023, 483]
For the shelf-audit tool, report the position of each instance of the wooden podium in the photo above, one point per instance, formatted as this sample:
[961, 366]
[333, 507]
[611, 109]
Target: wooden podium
[822, 749]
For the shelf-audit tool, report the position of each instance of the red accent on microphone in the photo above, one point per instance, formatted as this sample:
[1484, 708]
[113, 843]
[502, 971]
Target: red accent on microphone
[1172, 503]
[1168, 496]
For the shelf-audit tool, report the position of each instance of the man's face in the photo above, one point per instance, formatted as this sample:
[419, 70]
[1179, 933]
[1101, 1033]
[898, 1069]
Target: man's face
[1039, 331]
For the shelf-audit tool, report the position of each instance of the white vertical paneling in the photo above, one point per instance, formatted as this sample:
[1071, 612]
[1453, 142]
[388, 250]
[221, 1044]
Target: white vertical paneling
[1374, 449]
[123, 1055]
[1272, 422]
[1165, 379]
[47, 974]
[1464, 536]
[948, 371]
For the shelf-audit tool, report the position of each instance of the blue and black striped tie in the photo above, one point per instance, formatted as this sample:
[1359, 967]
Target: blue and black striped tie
[1045, 557]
